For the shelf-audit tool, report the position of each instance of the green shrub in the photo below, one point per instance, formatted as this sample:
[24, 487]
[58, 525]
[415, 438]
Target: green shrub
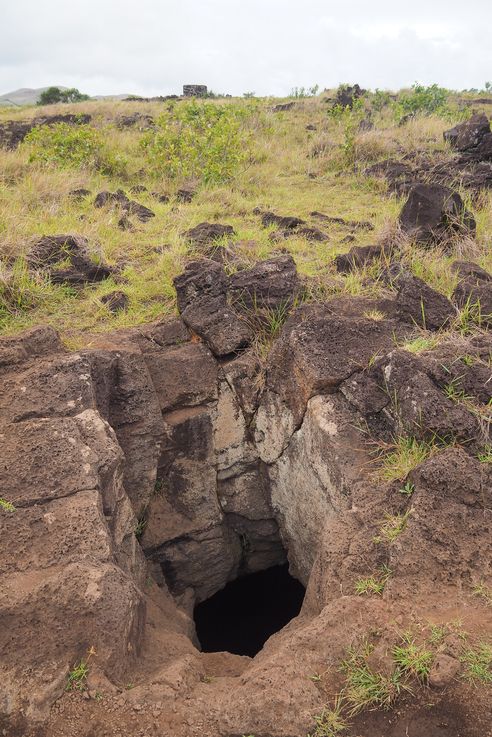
[54, 95]
[423, 100]
[72, 146]
[198, 140]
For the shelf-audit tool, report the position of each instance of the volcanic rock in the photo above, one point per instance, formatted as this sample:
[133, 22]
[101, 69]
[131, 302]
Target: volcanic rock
[433, 213]
[49, 251]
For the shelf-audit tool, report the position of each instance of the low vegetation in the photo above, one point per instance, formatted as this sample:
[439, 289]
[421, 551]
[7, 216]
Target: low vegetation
[477, 662]
[394, 461]
[374, 584]
[236, 155]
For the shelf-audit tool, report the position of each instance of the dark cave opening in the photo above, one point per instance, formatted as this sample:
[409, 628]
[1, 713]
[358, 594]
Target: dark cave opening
[242, 616]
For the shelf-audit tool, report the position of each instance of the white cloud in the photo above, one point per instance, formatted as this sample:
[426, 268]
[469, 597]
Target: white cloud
[270, 46]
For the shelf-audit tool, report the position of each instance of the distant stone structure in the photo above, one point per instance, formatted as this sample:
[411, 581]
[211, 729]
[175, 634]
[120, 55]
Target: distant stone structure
[194, 90]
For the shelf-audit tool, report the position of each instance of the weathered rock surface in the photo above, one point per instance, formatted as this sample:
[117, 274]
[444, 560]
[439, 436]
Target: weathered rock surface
[204, 235]
[269, 284]
[422, 305]
[357, 257]
[120, 199]
[435, 213]
[51, 252]
[470, 134]
[149, 471]
[202, 300]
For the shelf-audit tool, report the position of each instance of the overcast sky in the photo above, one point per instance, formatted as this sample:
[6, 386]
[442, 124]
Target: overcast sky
[152, 47]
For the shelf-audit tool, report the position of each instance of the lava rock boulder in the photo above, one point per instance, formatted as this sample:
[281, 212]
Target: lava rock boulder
[434, 213]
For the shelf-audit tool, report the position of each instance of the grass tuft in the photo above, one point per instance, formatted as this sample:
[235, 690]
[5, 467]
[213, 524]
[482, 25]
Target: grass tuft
[478, 664]
[374, 584]
[396, 460]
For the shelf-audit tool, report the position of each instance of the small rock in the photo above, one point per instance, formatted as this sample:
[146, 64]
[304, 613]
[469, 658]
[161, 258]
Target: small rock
[79, 194]
[185, 195]
[205, 234]
[115, 301]
[160, 197]
[357, 257]
[444, 670]
[286, 222]
[282, 107]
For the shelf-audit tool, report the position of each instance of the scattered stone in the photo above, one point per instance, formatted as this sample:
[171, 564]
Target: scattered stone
[475, 290]
[286, 222]
[120, 199]
[422, 305]
[347, 94]
[185, 195]
[470, 134]
[399, 175]
[160, 197]
[115, 301]
[269, 284]
[357, 257]
[124, 223]
[206, 234]
[138, 189]
[13, 132]
[355, 224]
[433, 213]
[311, 127]
[79, 194]
[137, 120]
[470, 270]
[140, 211]
[282, 107]
[366, 124]
[49, 251]
[104, 198]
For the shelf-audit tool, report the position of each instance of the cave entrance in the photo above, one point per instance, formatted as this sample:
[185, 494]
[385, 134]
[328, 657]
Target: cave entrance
[242, 616]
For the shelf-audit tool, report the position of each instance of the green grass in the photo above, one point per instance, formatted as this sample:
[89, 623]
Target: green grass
[374, 584]
[396, 460]
[486, 455]
[238, 155]
[477, 662]
[437, 634]
[392, 527]
[453, 391]
[484, 592]
[365, 689]
[77, 677]
[413, 659]
[6, 506]
[407, 489]
[331, 721]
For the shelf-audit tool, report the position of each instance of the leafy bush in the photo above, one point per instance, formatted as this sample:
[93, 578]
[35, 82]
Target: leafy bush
[205, 141]
[424, 100]
[380, 99]
[54, 95]
[76, 146]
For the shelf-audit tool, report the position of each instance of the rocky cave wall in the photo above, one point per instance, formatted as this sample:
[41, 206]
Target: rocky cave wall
[150, 454]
